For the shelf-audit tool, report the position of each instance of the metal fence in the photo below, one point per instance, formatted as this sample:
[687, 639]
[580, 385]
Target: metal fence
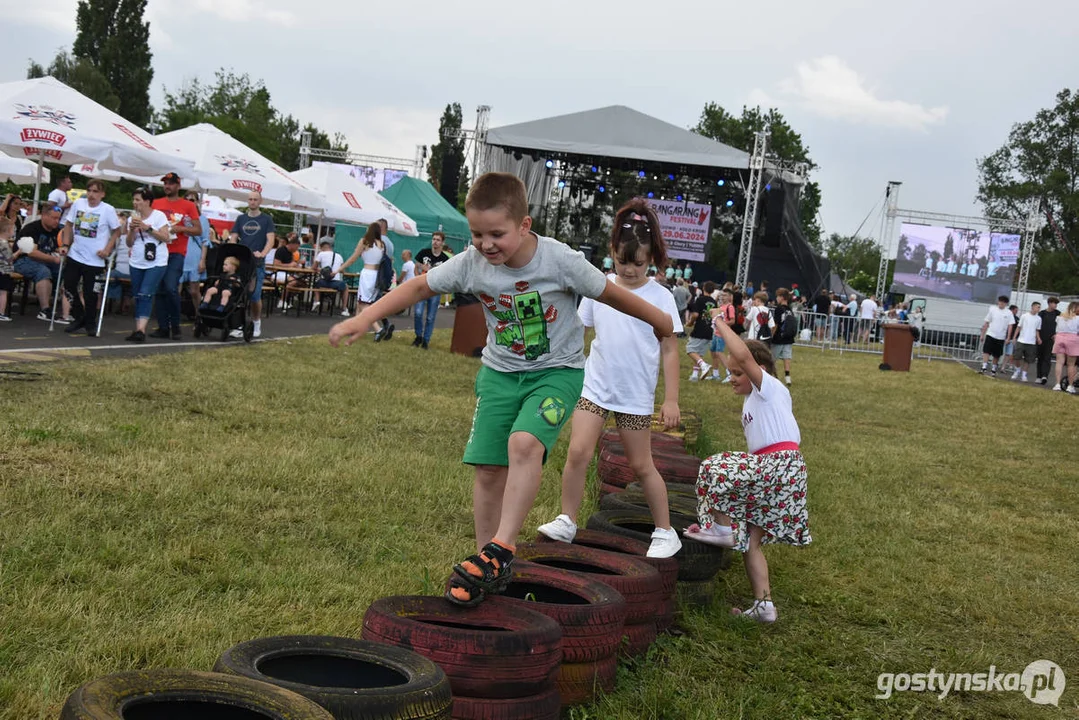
[854, 334]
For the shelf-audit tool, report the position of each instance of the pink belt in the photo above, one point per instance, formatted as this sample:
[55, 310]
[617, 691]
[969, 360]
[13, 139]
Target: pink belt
[777, 447]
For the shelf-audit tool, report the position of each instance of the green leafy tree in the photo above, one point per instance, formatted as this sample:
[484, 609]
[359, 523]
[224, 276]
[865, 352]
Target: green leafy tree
[1041, 161]
[80, 75]
[783, 143]
[449, 154]
[114, 38]
[853, 256]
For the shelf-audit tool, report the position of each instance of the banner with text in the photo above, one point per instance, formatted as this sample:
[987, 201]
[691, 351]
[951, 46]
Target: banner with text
[686, 228]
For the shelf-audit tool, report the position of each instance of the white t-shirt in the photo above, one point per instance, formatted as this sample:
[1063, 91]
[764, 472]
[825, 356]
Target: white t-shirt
[328, 258]
[767, 415]
[156, 221]
[57, 197]
[91, 228]
[869, 309]
[408, 271]
[1069, 326]
[999, 319]
[622, 368]
[1029, 325]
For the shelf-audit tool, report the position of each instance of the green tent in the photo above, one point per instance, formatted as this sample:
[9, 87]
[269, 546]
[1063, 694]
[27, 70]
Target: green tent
[421, 202]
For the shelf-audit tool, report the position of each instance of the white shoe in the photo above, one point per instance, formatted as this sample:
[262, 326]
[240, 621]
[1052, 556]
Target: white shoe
[763, 611]
[712, 376]
[1072, 391]
[727, 379]
[704, 368]
[1015, 375]
[237, 333]
[344, 313]
[1025, 378]
[694, 376]
[561, 529]
[665, 543]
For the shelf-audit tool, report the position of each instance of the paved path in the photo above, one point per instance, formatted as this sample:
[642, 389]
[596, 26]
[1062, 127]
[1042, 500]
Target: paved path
[27, 339]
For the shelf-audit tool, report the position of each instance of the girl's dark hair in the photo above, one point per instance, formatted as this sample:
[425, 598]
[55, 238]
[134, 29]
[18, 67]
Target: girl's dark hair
[762, 355]
[374, 232]
[144, 192]
[636, 226]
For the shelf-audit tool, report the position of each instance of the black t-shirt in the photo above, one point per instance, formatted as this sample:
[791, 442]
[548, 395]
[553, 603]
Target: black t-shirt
[703, 307]
[282, 256]
[45, 239]
[429, 259]
[1049, 323]
[822, 304]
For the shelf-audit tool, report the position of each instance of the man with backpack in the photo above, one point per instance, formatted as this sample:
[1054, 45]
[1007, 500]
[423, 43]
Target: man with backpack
[328, 264]
[759, 319]
[786, 330]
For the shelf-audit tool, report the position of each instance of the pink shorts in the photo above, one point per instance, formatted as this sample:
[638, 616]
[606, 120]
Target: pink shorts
[1066, 344]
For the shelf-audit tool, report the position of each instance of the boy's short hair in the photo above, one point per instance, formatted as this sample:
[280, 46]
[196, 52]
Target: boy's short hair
[406, 255]
[231, 259]
[783, 293]
[499, 190]
[95, 183]
[762, 296]
[1053, 300]
[438, 234]
[709, 287]
[1002, 298]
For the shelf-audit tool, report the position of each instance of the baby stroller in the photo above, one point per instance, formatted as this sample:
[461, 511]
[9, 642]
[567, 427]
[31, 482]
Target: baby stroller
[235, 313]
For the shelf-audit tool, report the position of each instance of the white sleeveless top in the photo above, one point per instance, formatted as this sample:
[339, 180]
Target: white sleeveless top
[372, 255]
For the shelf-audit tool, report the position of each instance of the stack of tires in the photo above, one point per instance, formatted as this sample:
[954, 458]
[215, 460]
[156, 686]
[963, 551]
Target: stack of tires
[592, 616]
[502, 660]
[637, 581]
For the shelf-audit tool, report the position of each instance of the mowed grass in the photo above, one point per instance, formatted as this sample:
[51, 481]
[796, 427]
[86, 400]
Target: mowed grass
[155, 511]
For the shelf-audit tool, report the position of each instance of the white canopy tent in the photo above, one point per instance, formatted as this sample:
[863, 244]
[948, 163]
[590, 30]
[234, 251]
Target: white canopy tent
[225, 167]
[21, 170]
[349, 200]
[214, 208]
[45, 119]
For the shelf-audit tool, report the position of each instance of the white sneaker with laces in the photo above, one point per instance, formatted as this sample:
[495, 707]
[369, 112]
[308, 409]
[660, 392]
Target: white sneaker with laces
[237, 333]
[694, 376]
[561, 529]
[1025, 378]
[258, 329]
[665, 543]
[727, 379]
[344, 312]
[763, 611]
[704, 368]
[1072, 390]
[1015, 375]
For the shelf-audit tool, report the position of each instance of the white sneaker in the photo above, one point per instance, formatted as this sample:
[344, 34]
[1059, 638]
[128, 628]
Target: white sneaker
[665, 543]
[727, 379]
[344, 312]
[763, 611]
[237, 333]
[704, 368]
[1072, 390]
[1025, 378]
[561, 529]
[258, 329]
[713, 376]
[1015, 375]
[694, 376]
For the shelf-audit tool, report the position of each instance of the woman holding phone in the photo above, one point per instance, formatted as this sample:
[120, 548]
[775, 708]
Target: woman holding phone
[147, 237]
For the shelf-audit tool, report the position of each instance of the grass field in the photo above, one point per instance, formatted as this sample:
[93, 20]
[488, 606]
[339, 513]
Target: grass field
[153, 512]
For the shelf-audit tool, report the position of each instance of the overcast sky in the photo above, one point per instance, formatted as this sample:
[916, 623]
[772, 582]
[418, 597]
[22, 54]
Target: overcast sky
[913, 91]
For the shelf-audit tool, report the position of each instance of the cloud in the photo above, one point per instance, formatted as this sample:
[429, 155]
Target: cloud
[383, 130]
[830, 88]
[244, 11]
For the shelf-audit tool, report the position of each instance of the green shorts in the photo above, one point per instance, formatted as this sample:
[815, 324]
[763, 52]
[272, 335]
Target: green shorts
[538, 403]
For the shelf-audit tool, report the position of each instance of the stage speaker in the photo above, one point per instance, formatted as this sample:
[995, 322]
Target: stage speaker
[775, 201]
[450, 178]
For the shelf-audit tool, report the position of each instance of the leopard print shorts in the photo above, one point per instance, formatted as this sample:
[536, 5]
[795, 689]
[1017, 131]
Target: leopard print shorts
[623, 421]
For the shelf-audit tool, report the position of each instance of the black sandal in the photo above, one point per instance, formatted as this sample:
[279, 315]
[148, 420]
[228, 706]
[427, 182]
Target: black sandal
[496, 564]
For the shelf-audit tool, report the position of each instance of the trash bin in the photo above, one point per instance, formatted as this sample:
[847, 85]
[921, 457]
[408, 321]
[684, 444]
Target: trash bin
[469, 328]
[898, 346]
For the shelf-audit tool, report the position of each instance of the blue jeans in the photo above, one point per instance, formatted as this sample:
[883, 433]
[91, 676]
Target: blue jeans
[424, 317]
[168, 293]
[144, 285]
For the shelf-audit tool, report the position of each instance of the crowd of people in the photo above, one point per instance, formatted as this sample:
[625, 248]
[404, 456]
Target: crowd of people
[1033, 339]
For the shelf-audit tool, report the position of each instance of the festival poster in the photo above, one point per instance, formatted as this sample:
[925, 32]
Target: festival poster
[686, 228]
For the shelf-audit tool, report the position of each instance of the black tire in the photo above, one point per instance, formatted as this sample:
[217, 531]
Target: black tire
[179, 694]
[494, 650]
[696, 561]
[249, 331]
[353, 679]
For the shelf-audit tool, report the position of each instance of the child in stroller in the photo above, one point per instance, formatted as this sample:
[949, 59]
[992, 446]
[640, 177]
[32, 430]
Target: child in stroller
[230, 270]
[227, 285]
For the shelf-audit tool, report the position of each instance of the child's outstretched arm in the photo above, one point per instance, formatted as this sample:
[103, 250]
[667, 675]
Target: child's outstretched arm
[740, 353]
[626, 302]
[403, 296]
[669, 352]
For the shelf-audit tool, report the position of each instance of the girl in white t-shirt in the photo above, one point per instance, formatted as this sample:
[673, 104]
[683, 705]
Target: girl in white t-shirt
[620, 376]
[745, 500]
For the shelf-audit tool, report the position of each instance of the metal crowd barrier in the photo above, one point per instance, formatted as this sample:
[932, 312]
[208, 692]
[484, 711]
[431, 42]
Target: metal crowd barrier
[864, 335]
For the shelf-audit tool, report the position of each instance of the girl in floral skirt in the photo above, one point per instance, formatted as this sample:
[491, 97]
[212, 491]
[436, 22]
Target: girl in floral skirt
[745, 500]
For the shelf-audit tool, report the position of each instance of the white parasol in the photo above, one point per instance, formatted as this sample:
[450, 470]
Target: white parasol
[349, 200]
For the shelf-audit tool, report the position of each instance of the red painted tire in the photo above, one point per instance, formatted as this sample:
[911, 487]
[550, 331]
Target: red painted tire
[494, 650]
[665, 617]
[545, 706]
[678, 467]
[666, 567]
[659, 440]
[637, 581]
[696, 561]
[675, 466]
[612, 467]
[638, 639]
[581, 683]
[590, 613]
[605, 489]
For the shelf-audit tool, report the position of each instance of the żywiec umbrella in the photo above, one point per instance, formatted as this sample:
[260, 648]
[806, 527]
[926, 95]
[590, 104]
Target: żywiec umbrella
[349, 200]
[227, 168]
[20, 170]
[45, 119]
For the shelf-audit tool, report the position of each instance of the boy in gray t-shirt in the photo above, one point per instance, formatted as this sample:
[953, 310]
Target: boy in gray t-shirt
[533, 364]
